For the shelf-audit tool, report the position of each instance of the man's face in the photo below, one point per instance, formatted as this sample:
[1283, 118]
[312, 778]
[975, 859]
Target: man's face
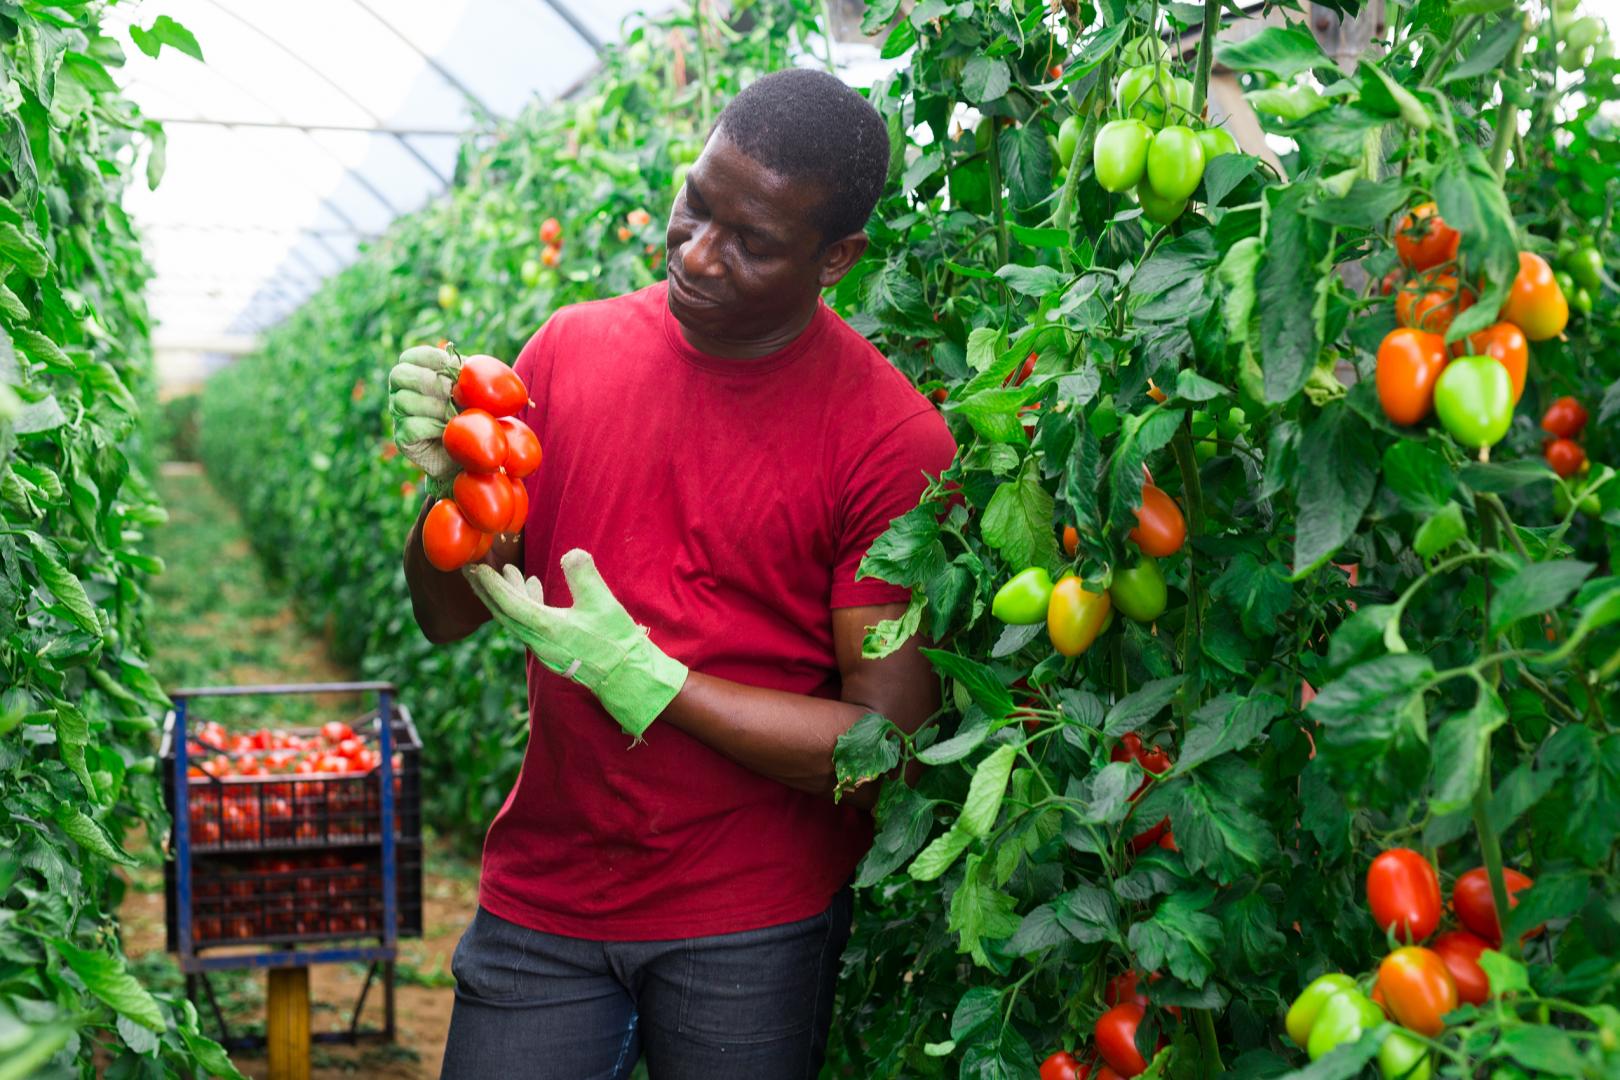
[746, 262]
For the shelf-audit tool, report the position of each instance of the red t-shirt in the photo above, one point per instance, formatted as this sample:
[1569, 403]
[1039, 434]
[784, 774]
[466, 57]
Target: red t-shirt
[727, 504]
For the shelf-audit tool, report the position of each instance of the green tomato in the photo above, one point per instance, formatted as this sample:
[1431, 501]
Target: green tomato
[1404, 1058]
[530, 272]
[1068, 139]
[1216, 141]
[1581, 300]
[1156, 208]
[449, 296]
[1181, 99]
[1302, 1013]
[1343, 1017]
[1235, 423]
[1023, 600]
[1585, 265]
[1583, 33]
[1571, 59]
[1175, 163]
[1566, 248]
[1119, 155]
[981, 134]
[1145, 92]
[1146, 49]
[1139, 592]
[1474, 399]
[1565, 280]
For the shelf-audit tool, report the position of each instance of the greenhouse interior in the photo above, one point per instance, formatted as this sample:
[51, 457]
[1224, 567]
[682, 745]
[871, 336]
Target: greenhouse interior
[1179, 441]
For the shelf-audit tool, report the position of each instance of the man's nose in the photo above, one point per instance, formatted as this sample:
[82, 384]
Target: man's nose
[700, 254]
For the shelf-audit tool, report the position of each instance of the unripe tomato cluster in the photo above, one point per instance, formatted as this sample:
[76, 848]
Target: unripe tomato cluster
[496, 451]
[1074, 615]
[1473, 394]
[1415, 986]
[1152, 148]
[1580, 272]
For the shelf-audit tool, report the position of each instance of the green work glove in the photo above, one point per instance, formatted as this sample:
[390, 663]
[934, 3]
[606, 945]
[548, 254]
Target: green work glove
[596, 642]
[419, 398]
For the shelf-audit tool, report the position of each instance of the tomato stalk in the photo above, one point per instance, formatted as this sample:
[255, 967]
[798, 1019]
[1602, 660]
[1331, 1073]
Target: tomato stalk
[1459, 32]
[1193, 492]
[1490, 847]
[996, 209]
[1206, 55]
[1064, 217]
[1507, 116]
[1206, 1030]
[698, 18]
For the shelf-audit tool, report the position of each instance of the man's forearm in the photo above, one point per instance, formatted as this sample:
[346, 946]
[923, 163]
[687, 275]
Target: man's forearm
[445, 606]
[784, 736]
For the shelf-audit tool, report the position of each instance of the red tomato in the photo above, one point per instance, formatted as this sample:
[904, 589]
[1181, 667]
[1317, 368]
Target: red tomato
[448, 539]
[1409, 363]
[939, 395]
[1535, 303]
[486, 383]
[350, 746]
[1564, 455]
[550, 231]
[1476, 907]
[485, 499]
[1116, 1038]
[1168, 841]
[485, 542]
[1431, 303]
[1424, 239]
[1564, 418]
[1418, 989]
[1160, 528]
[1404, 892]
[1071, 540]
[1017, 376]
[522, 447]
[474, 440]
[1506, 343]
[1460, 951]
[335, 731]
[1063, 1066]
[520, 506]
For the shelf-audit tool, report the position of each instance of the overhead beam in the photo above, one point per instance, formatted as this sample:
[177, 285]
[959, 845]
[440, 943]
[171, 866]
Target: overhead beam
[566, 14]
[431, 61]
[290, 125]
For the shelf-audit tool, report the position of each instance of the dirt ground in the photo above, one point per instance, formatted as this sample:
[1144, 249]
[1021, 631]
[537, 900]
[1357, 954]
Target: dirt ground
[423, 992]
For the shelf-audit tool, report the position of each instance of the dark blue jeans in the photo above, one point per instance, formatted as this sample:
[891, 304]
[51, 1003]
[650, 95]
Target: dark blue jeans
[753, 1004]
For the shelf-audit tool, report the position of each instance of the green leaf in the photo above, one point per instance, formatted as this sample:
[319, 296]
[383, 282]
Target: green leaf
[938, 856]
[209, 1054]
[1290, 299]
[1506, 976]
[975, 1009]
[1276, 51]
[1470, 198]
[1545, 1051]
[105, 977]
[879, 14]
[1141, 436]
[986, 791]
[1489, 50]
[1033, 280]
[88, 834]
[1504, 476]
[1459, 752]
[1214, 813]
[904, 817]
[1367, 205]
[1377, 685]
[1018, 521]
[1140, 705]
[981, 683]
[1383, 95]
[985, 79]
[1226, 724]
[165, 31]
[1336, 481]
[894, 291]
[979, 911]
[1440, 531]
[865, 752]
[27, 253]
[1419, 476]
[1026, 164]
[1536, 588]
[1259, 594]
[974, 729]
[1052, 239]
[72, 737]
[909, 553]
[888, 635]
[1180, 937]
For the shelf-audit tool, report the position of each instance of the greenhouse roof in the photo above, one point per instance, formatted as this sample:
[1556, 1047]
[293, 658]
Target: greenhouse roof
[312, 124]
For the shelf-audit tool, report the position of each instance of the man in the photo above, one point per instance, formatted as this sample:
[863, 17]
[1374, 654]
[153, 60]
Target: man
[669, 875]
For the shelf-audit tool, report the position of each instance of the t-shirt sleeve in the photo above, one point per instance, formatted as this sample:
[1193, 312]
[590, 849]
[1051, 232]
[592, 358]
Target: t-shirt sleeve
[885, 484]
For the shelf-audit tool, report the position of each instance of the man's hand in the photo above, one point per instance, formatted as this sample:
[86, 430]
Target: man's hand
[596, 642]
[419, 398]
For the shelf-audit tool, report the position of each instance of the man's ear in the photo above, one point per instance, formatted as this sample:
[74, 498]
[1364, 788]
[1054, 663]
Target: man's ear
[840, 256]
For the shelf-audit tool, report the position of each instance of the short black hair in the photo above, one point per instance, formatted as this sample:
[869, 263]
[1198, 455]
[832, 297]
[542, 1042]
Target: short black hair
[807, 125]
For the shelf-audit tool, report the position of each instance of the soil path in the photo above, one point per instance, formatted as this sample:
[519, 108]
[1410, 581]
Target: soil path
[217, 619]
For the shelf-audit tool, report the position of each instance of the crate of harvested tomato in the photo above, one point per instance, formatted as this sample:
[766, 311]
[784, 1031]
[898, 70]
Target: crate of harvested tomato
[276, 788]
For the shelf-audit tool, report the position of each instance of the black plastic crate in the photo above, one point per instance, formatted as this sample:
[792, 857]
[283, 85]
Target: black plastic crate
[295, 897]
[303, 810]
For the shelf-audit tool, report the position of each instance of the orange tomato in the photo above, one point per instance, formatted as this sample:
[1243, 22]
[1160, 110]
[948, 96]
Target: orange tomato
[1160, 528]
[1418, 989]
[1074, 616]
[1506, 343]
[1409, 363]
[1535, 303]
[1071, 540]
[1154, 392]
[1425, 240]
[1432, 302]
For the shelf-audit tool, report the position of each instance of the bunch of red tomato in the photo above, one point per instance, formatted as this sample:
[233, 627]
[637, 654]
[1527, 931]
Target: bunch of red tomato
[1114, 1034]
[496, 451]
[1074, 615]
[1564, 420]
[1416, 985]
[1474, 394]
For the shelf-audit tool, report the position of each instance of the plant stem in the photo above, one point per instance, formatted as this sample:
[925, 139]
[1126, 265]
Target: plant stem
[1071, 183]
[1507, 115]
[1461, 30]
[1212, 1044]
[1490, 847]
[1193, 490]
[827, 28]
[1206, 55]
[698, 21]
[997, 210]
